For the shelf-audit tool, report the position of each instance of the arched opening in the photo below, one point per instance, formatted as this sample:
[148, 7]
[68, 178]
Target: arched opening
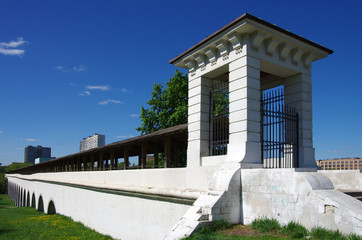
[20, 197]
[33, 201]
[40, 204]
[28, 200]
[24, 198]
[51, 208]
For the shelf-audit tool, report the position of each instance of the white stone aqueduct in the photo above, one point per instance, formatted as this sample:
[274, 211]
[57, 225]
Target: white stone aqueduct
[250, 55]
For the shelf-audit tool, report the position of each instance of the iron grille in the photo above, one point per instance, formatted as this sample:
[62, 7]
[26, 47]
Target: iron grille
[219, 118]
[279, 128]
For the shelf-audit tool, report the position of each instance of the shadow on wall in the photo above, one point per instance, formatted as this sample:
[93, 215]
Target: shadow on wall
[33, 201]
[40, 204]
[51, 208]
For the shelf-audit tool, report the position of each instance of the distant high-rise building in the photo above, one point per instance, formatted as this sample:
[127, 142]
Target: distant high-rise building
[97, 140]
[31, 153]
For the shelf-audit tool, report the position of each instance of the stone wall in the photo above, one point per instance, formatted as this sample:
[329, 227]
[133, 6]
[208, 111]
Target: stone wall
[120, 216]
[345, 180]
[304, 197]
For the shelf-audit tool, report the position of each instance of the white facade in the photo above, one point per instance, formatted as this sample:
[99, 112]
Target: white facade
[97, 140]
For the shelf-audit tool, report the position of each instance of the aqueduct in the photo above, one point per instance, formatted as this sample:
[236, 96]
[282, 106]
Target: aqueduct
[248, 141]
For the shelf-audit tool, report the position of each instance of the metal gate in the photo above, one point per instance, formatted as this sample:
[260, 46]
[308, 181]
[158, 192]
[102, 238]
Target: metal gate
[219, 118]
[279, 131]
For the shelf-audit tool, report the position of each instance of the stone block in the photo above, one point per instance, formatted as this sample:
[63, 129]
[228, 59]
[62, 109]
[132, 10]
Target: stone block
[243, 82]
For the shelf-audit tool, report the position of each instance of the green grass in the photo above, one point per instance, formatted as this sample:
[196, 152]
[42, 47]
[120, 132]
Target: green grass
[269, 229]
[294, 230]
[265, 225]
[28, 223]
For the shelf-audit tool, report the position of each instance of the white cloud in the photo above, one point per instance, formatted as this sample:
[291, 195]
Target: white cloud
[29, 139]
[80, 68]
[16, 52]
[10, 48]
[124, 137]
[110, 101]
[133, 115]
[84, 93]
[124, 90]
[13, 44]
[101, 87]
[1, 132]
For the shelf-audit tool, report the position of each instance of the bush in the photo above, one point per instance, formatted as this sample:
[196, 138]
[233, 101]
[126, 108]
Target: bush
[294, 230]
[265, 225]
[3, 183]
[319, 233]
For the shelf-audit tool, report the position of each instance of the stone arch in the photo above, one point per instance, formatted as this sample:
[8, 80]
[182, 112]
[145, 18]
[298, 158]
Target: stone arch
[40, 204]
[28, 200]
[33, 201]
[51, 208]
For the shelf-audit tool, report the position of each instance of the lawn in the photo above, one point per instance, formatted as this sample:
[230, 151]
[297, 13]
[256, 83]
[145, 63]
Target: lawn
[28, 223]
[266, 229]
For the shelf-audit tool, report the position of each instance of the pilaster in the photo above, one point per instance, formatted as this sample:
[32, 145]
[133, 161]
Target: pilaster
[298, 94]
[244, 112]
[198, 120]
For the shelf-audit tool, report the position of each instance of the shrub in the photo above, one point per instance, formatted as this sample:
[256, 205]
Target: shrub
[266, 225]
[319, 233]
[294, 230]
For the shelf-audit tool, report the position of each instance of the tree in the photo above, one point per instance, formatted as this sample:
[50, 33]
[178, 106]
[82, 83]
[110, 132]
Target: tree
[168, 107]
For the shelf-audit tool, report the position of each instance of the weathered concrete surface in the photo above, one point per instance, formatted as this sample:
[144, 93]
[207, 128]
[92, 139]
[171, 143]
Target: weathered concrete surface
[178, 182]
[345, 180]
[304, 197]
[154, 200]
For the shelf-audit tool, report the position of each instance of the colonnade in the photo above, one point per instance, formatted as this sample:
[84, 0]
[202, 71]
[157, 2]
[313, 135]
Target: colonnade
[162, 149]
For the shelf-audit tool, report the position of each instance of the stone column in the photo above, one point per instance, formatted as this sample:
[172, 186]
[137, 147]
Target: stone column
[167, 152]
[143, 154]
[112, 159]
[198, 120]
[100, 161]
[92, 162]
[84, 163]
[298, 94]
[244, 112]
[126, 158]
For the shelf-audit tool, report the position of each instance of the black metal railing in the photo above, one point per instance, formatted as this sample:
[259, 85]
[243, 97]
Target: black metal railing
[219, 118]
[279, 131]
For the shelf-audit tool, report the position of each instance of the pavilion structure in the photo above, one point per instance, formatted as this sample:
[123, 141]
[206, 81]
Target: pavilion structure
[262, 74]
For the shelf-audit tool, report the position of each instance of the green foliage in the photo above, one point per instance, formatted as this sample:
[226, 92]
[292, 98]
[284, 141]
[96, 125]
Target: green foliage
[209, 232]
[15, 166]
[220, 102]
[168, 107]
[319, 233]
[294, 230]
[354, 237]
[28, 223]
[271, 229]
[3, 183]
[266, 225]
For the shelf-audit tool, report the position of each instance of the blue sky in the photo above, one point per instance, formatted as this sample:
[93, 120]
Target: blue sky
[69, 69]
